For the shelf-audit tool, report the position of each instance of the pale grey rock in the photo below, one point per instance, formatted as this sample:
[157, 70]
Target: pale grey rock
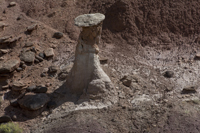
[33, 102]
[88, 20]
[12, 4]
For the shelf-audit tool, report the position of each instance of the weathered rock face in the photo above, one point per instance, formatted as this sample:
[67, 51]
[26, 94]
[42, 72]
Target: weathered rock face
[87, 77]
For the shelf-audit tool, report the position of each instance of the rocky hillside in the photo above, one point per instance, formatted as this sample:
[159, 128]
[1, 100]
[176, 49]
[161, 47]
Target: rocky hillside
[149, 49]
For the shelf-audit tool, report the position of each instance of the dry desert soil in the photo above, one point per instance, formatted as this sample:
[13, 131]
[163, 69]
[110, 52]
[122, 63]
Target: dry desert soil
[155, 44]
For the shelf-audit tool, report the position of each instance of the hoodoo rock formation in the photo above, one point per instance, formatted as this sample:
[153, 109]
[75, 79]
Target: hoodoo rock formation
[87, 77]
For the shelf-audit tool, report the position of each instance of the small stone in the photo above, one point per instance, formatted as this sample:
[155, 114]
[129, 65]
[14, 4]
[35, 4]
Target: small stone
[5, 87]
[53, 46]
[126, 80]
[28, 57]
[19, 69]
[43, 75]
[20, 17]
[36, 61]
[39, 58]
[103, 61]
[63, 76]
[32, 27]
[45, 70]
[49, 52]
[48, 84]
[24, 66]
[53, 69]
[29, 44]
[1, 58]
[14, 117]
[12, 4]
[3, 51]
[3, 39]
[5, 119]
[9, 66]
[14, 103]
[58, 35]
[42, 55]
[21, 63]
[189, 89]
[197, 56]
[31, 88]
[168, 74]
[40, 90]
[33, 50]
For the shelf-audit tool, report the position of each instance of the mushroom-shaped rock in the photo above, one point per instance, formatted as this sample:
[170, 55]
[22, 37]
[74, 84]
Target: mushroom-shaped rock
[87, 78]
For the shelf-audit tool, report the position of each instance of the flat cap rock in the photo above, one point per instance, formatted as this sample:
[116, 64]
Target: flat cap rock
[87, 20]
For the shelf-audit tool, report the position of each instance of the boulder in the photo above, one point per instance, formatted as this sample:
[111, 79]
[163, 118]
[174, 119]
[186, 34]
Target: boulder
[28, 57]
[33, 102]
[9, 66]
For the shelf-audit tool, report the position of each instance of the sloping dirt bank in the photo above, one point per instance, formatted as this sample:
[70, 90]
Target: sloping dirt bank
[142, 39]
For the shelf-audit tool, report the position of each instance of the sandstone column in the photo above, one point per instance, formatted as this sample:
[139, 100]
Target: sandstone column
[87, 77]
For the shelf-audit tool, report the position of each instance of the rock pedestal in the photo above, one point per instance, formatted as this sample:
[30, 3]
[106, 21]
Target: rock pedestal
[87, 77]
